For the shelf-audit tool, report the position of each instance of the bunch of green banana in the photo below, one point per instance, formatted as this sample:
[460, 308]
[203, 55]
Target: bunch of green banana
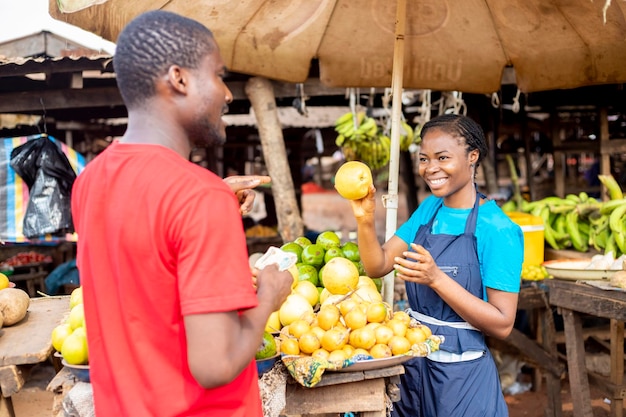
[581, 222]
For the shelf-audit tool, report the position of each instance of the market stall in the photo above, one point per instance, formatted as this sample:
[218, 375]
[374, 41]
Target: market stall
[573, 299]
[368, 392]
[27, 343]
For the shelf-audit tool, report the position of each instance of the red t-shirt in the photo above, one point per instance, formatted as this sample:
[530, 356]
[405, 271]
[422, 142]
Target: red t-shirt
[158, 238]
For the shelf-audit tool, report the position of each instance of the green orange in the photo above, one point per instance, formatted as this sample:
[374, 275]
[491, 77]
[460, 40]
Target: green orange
[308, 273]
[313, 255]
[293, 247]
[351, 251]
[333, 252]
[303, 241]
[328, 239]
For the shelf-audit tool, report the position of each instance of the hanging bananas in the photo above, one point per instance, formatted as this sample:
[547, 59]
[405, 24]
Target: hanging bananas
[580, 222]
[361, 138]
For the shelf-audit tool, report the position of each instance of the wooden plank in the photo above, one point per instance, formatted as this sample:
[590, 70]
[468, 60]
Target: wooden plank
[532, 298]
[29, 341]
[552, 254]
[535, 354]
[15, 102]
[617, 365]
[11, 380]
[366, 395]
[334, 378]
[586, 299]
[6, 407]
[612, 147]
[611, 390]
[60, 99]
[597, 332]
[605, 157]
[554, 406]
[579, 384]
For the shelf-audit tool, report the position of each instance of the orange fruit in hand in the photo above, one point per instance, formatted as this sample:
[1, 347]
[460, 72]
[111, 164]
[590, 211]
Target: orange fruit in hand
[353, 180]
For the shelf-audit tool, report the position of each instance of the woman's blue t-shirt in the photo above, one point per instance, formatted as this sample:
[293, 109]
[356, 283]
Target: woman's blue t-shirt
[500, 242]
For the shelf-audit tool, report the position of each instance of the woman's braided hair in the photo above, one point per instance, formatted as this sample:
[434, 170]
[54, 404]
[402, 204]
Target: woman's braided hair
[462, 127]
[150, 44]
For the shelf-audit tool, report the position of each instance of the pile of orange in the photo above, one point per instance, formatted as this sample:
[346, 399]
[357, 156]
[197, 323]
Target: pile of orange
[352, 326]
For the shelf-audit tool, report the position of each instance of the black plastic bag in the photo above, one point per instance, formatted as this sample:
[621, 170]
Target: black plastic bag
[49, 177]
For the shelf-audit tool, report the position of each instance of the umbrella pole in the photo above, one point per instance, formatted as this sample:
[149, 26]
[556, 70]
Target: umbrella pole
[391, 199]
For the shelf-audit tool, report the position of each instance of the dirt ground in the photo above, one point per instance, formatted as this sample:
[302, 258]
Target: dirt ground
[533, 403]
[34, 401]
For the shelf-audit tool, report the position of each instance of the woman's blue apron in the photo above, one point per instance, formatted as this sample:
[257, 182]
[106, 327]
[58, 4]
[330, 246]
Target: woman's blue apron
[446, 389]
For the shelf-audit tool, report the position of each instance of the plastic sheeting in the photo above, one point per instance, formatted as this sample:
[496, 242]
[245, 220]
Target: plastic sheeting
[14, 190]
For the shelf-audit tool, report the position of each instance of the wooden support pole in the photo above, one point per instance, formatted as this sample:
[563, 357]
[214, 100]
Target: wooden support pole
[261, 95]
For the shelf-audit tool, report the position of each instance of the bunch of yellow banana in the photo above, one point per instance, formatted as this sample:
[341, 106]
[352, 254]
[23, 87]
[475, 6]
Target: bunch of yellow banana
[354, 127]
[376, 151]
[580, 222]
[360, 138]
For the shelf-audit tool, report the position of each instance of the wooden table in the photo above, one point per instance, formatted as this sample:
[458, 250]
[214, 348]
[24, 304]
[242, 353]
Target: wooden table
[572, 299]
[365, 392]
[26, 343]
[539, 350]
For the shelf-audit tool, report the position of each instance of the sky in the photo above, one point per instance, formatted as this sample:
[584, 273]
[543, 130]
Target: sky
[19, 18]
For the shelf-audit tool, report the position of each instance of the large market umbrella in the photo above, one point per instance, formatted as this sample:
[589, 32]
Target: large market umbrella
[447, 45]
[461, 45]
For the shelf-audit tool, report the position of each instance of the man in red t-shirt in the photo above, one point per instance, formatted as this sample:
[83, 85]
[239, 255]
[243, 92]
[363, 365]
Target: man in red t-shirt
[172, 314]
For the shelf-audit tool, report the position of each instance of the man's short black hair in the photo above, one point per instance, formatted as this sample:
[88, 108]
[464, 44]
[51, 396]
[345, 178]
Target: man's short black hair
[150, 44]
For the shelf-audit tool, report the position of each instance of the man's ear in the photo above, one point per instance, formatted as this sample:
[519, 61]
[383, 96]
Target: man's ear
[177, 78]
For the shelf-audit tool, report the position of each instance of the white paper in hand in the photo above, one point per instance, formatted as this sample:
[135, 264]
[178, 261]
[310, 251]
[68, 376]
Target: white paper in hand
[274, 255]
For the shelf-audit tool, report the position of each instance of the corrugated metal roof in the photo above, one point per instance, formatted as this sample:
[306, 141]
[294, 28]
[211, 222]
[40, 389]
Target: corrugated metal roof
[18, 66]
